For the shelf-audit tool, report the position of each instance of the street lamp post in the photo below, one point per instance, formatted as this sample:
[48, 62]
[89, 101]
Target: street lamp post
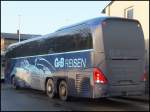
[19, 20]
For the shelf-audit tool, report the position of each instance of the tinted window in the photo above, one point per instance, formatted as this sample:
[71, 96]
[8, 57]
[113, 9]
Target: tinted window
[73, 41]
[77, 41]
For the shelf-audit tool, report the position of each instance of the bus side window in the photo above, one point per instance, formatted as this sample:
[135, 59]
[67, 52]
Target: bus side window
[62, 44]
[77, 41]
[50, 45]
[51, 51]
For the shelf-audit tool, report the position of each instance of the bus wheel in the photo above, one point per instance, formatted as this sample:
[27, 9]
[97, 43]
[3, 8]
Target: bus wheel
[63, 90]
[50, 88]
[14, 84]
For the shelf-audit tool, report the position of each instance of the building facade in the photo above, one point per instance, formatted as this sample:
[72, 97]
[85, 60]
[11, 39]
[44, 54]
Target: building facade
[133, 10]
[10, 38]
[6, 40]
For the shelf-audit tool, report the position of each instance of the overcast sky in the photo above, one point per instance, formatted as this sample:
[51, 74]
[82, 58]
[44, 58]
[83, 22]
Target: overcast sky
[43, 17]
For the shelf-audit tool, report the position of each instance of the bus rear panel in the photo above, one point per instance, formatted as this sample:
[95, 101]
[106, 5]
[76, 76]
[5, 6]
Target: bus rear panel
[123, 64]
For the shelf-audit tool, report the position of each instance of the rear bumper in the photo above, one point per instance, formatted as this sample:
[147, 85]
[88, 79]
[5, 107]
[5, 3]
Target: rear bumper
[121, 90]
[127, 90]
[100, 90]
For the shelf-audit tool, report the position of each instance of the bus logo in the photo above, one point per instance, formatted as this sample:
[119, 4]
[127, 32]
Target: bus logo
[59, 63]
[70, 63]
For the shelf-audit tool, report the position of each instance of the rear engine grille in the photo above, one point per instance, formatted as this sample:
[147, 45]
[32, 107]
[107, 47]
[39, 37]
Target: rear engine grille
[82, 84]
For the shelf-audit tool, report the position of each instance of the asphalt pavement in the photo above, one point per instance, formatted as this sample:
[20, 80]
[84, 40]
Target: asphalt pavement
[33, 100]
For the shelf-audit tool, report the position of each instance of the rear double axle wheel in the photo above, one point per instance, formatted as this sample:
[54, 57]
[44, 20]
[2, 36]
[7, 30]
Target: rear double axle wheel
[63, 90]
[50, 88]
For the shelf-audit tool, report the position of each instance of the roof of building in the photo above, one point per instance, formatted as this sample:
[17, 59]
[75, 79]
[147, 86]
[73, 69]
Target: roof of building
[103, 11]
[14, 36]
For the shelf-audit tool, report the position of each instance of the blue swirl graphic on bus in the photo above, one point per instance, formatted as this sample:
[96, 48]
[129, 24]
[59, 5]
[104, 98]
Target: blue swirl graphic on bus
[45, 65]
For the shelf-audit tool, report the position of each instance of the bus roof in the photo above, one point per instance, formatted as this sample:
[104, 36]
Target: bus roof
[89, 23]
[93, 21]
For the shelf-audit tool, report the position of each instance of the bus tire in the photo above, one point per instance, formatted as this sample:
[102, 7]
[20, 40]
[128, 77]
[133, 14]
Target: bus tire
[50, 88]
[14, 84]
[63, 91]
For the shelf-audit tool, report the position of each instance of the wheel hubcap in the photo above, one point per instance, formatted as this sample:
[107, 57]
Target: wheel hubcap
[49, 88]
[63, 91]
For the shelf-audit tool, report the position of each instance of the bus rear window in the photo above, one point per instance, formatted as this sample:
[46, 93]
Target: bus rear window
[123, 38]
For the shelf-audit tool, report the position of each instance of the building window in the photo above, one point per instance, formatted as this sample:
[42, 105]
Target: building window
[129, 13]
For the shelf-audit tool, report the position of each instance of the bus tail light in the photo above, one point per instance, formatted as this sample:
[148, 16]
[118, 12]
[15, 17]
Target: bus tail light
[99, 76]
[144, 78]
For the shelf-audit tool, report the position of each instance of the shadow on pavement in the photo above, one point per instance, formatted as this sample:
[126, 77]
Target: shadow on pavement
[135, 98]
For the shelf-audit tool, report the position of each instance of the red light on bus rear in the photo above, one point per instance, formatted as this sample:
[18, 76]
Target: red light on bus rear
[99, 76]
[144, 78]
